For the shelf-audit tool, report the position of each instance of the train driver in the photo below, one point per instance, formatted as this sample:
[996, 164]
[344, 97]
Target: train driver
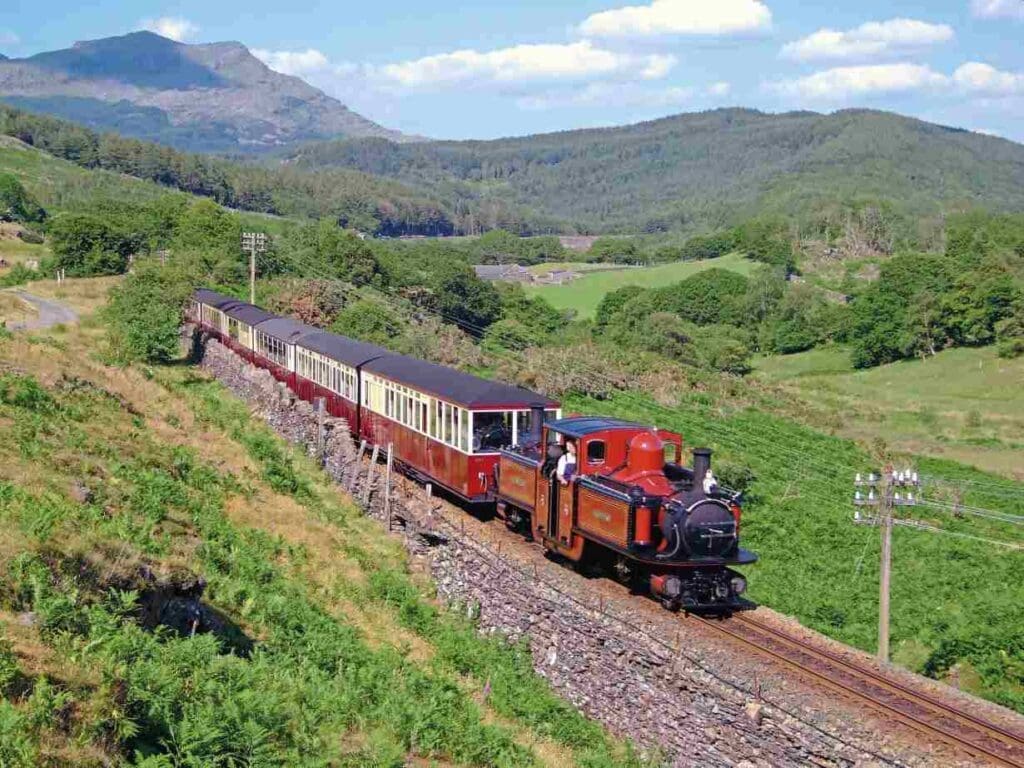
[567, 464]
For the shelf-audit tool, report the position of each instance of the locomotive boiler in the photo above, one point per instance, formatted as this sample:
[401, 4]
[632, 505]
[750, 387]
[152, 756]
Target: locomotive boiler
[630, 505]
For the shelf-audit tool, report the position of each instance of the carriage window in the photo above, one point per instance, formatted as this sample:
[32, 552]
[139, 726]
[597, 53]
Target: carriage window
[464, 425]
[446, 426]
[434, 419]
[595, 452]
[492, 431]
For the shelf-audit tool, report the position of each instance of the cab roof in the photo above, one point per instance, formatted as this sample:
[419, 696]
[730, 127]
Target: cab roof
[581, 426]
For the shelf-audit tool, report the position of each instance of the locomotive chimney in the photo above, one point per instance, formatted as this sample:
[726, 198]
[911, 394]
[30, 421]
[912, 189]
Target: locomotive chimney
[701, 465]
[536, 423]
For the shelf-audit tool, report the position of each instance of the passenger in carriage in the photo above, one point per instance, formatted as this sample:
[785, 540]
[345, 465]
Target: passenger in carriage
[490, 432]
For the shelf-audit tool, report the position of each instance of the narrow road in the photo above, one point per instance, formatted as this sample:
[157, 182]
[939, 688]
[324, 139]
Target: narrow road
[50, 313]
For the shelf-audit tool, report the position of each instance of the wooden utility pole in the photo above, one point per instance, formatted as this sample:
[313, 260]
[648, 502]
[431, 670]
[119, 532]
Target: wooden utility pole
[253, 242]
[885, 577]
[884, 494]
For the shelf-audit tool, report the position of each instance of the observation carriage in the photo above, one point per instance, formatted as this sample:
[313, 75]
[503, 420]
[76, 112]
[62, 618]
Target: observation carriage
[630, 505]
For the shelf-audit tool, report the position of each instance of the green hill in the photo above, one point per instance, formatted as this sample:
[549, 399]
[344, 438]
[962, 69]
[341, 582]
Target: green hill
[703, 170]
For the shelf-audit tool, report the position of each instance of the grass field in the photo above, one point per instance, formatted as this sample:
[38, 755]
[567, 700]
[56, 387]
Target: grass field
[962, 404]
[14, 310]
[576, 266]
[583, 295]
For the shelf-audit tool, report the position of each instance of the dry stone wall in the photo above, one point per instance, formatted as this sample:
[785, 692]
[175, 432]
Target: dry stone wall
[633, 684]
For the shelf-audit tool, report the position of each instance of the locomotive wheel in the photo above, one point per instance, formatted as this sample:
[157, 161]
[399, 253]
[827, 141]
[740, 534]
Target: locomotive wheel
[623, 571]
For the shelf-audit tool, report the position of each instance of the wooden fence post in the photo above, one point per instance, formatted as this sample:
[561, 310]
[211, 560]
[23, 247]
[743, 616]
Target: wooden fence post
[321, 442]
[354, 472]
[387, 485]
[370, 471]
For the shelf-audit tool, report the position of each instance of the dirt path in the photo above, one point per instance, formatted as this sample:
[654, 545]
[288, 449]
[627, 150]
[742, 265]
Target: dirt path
[49, 313]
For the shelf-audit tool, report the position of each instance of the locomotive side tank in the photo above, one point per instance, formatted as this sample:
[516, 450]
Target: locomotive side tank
[631, 505]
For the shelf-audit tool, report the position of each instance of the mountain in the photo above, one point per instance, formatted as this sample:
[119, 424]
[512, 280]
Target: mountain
[214, 97]
[701, 170]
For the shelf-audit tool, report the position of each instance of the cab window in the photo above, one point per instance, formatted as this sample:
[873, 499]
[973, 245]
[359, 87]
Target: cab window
[595, 452]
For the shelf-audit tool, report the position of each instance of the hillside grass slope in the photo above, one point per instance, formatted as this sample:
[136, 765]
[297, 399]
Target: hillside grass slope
[318, 646]
[963, 404]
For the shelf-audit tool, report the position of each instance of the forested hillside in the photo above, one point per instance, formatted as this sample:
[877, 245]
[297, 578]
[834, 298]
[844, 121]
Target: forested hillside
[700, 171]
[354, 199]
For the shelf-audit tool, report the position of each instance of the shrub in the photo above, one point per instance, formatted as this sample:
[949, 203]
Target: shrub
[144, 314]
[9, 672]
[17, 748]
[86, 245]
[31, 237]
[16, 204]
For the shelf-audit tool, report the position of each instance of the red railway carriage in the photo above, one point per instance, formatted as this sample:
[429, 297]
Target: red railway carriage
[242, 319]
[274, 346]
[207, 309]
[328, 366]
[631, 504]
[446, 426]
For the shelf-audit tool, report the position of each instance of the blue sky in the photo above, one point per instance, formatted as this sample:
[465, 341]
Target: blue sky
[476, 69]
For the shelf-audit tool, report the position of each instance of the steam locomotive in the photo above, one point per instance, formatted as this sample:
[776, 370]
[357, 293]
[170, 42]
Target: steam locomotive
[597, 491]
[631, 506]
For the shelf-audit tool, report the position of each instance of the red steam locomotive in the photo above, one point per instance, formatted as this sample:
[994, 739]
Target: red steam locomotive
[594, 490]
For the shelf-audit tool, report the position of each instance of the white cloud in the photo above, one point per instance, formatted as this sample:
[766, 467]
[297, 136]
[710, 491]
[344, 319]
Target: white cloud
[844, 82]
[524, 63]
[997, 9]
[298, 63]
[679, 17]
[7, 37]
[174, 27]
[875, 38]
[720, 88]
[602, 94]
[980, 78]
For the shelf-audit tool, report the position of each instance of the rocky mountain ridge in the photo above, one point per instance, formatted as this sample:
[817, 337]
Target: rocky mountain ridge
[205, 97]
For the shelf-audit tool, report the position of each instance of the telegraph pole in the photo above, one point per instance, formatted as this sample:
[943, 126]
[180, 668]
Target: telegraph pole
[253, 242]
[884, 493]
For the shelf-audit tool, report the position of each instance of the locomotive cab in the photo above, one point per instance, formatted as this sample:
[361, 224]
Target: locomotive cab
[632, 505]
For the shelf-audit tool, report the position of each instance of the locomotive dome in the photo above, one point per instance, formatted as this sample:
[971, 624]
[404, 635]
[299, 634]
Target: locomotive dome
[646, 453]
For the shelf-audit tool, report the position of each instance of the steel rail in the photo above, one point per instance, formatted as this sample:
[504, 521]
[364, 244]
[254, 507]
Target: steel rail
[1011, 753]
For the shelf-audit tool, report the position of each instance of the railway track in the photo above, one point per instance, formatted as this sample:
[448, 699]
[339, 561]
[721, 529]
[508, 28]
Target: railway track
[883, 693]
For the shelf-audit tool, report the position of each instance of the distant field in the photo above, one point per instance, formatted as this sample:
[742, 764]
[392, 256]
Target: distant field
[576, 266]
[962, 404]
[584, 294]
